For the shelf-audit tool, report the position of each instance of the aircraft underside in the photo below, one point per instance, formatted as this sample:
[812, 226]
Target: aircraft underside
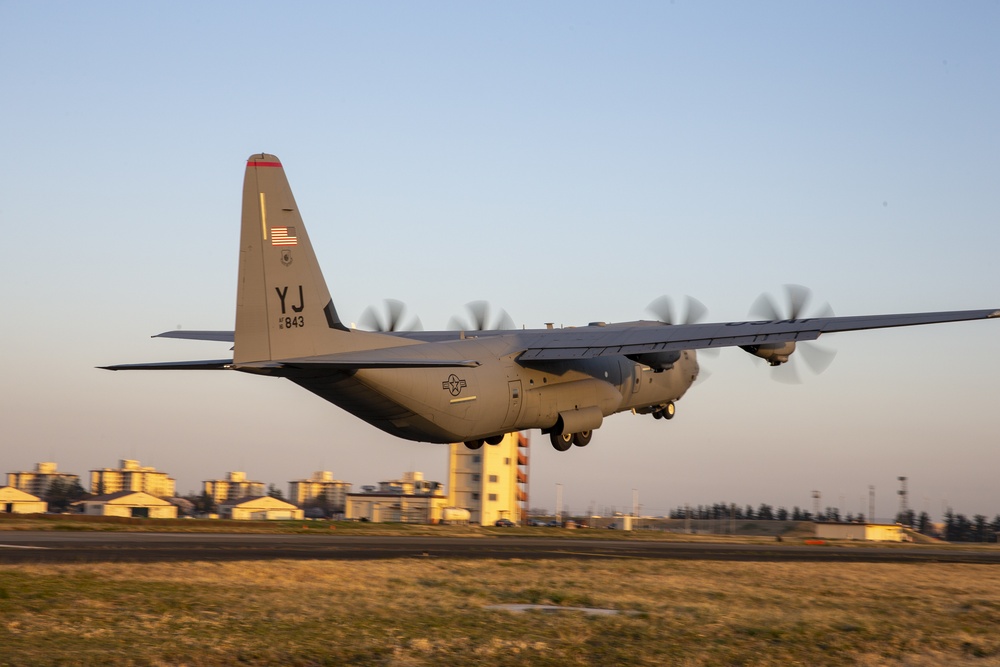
[566, 402]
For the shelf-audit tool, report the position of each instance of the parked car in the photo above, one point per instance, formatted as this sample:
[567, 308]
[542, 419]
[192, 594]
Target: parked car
[503, 523]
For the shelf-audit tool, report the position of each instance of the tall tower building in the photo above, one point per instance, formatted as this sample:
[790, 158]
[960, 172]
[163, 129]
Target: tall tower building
[490, 482]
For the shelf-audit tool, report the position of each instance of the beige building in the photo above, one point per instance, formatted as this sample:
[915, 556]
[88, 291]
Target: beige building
[135, 504]
[411, 499]
[490, 482]
[261, 508]
[16, 501]
[877, 532]
[37, 481]
[323, 486]
[130, 476]
[236, 485]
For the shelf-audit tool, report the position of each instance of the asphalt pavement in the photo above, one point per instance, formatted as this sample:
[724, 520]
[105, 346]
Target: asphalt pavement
[84, 547]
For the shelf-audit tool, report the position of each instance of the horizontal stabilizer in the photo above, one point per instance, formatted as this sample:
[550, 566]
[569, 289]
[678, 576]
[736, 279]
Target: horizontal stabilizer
[346, 362]
[210, 365]
[220, 336]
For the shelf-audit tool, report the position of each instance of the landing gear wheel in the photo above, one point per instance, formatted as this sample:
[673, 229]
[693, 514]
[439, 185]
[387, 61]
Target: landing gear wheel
[474, 444]
[582, 439]
[495, 440]
[668, 410]
[561, 442]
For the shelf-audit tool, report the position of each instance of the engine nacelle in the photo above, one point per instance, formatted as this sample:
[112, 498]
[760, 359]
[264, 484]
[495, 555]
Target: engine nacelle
[774, 354]
[658, 361]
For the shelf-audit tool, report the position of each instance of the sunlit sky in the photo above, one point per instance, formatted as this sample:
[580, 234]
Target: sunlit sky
[567, 161]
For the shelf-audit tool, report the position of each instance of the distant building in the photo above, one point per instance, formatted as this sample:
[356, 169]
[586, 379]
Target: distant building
[878, 532]
[322, 487]
[490, 482]
[236, 485]
[38, 481]
[132, 477]
[261, 508]
[135, 504]
[411, 499]
[16, 501]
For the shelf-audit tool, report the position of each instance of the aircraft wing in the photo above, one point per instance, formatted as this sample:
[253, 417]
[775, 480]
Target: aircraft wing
[637, 338]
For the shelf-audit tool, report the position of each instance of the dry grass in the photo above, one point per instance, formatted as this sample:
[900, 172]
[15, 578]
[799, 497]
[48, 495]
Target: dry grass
[430, 612]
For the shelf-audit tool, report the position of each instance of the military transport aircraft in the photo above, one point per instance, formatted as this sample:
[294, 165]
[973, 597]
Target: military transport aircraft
[470, 386]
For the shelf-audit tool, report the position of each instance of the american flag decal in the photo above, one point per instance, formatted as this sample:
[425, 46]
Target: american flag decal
[283, 236]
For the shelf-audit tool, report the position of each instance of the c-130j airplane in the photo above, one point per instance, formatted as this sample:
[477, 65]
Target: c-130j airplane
[470, 386]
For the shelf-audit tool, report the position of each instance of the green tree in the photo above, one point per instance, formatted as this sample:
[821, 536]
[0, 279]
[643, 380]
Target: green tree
[205, 503]
[275, 492]
[981, 529]
[924, 526]
[55, 495]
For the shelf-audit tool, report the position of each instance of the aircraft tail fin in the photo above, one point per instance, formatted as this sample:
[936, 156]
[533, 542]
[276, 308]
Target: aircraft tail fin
[283, 308]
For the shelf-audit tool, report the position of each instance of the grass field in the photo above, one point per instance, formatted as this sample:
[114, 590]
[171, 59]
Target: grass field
[432, 612]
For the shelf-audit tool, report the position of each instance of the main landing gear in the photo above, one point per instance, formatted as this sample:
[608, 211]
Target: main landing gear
[563, 441]
[492, 440]
[665, 412]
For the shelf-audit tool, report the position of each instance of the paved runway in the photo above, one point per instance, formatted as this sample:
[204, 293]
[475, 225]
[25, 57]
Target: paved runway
[59, 547]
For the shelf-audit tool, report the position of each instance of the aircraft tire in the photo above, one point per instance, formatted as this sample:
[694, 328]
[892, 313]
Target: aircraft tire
[669, 410]
[474, 444]
[582, 439]
[495, 440]
[561, 442]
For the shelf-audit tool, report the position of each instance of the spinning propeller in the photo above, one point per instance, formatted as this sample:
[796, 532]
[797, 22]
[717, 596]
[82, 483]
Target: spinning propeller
[817, 357]
[694, 312]
[663, 308]
[390, 318]
[481, 318]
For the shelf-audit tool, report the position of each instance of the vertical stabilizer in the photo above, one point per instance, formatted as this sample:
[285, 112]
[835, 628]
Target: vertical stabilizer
[283, 307]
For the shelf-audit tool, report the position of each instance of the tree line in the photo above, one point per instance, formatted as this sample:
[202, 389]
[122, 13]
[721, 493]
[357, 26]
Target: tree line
[957, 527]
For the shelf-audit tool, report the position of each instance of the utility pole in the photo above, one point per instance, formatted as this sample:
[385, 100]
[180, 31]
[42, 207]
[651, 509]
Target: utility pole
[871, 503]
[904, 504]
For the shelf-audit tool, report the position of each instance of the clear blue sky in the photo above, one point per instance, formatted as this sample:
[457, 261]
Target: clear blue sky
[568, 161]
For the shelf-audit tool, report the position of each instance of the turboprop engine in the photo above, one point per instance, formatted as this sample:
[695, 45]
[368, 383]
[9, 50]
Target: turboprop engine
[658, 361]
[774, 354]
